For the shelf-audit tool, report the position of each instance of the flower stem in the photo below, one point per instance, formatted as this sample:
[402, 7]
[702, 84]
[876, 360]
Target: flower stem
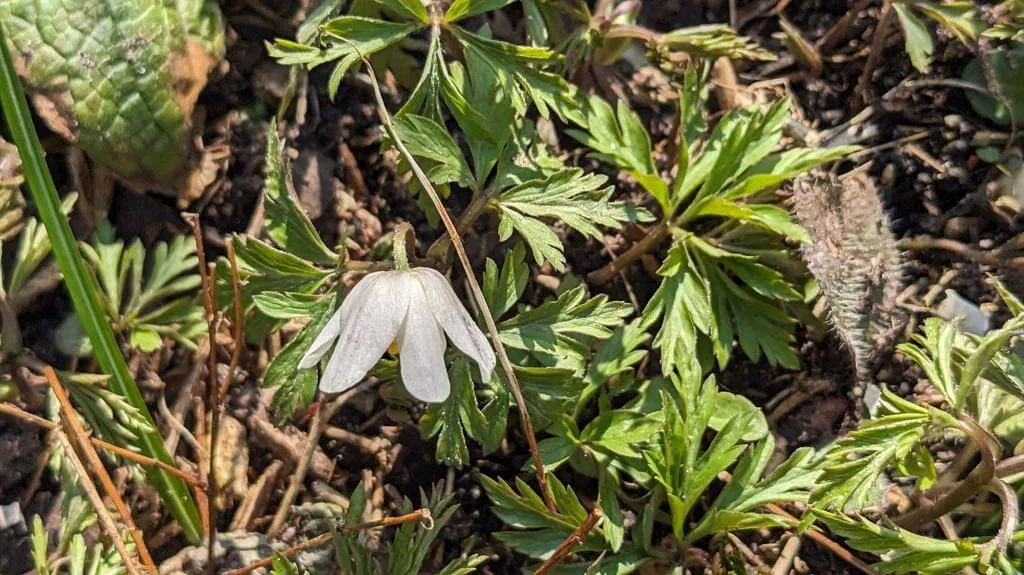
[402, 241]
[474, 285]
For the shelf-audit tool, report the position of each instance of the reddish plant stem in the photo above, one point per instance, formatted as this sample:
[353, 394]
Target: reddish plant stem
[209, 289]
[238, 323]
[574, 539]
[418, 515]
[979, 477]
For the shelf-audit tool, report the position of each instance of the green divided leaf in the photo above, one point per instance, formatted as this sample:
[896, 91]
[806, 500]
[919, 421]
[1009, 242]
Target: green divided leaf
[460, 412]
[570, 196]
[540, 530]
[286, 224]
[852, 467]
[564, 327]
[296, 387]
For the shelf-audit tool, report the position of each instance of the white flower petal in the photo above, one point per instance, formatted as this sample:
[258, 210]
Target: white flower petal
[455, 320]
[330, 332]
[421, 354]
[370, 328]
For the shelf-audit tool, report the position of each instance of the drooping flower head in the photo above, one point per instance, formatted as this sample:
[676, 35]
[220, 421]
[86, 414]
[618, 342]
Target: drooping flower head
[415, 307]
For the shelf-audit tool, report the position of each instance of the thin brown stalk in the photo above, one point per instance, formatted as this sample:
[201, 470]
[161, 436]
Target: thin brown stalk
[574, 539]
[467, 268]
[422, 515]
[238, 323]
[102, 514]
[209, 289]
[69, 417]
[321, 417]
[115, 449]
[648, 243]
[823, 540]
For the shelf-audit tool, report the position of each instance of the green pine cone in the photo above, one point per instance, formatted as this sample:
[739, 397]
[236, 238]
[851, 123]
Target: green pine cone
[118, 77]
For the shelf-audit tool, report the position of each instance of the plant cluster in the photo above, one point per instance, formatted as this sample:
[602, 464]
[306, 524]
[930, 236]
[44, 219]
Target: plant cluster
[621, 395]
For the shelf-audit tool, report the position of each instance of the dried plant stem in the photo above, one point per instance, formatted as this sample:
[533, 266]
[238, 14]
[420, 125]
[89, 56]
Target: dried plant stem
[238, 323]
[574, 539]
[646, 244]
[103, 516]
[820, 538]
[418, 515]
[70, 419]
[474, 286]
[209, 288]
[115, 449]
[321, 417]
[979, 477]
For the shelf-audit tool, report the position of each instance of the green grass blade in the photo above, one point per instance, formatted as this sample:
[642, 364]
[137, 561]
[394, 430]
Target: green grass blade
[83, 289]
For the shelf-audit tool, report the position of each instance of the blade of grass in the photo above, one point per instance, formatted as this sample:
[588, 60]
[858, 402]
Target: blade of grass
[83, 289]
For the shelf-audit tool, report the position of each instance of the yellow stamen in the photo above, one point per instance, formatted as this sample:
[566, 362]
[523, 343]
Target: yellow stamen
[393, 348]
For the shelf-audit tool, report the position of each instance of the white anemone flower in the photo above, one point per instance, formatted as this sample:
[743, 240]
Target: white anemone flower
[415, 307]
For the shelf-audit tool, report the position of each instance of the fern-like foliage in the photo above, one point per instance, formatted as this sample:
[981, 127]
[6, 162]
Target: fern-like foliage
[853, 256]
[147, 295]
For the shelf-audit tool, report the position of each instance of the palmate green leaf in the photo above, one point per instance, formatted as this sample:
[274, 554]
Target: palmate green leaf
[540, 531]
[917, 39]
[144, 300]
[282, 305]
[575, 198]
[852, 467]
[286, 224]
[296, 387]
[515, 65]
[564, 327]
[459, 412]
[619, 138]
[437, 84]
[736, 507]
[264, 268]
[367, 36]
[677, 459]
[428, 140]
[547, 391]
[749, 311]
[684, 303]
[483, 91]
[614, 357]
[412, 9]
[904, 551]
[502, 290]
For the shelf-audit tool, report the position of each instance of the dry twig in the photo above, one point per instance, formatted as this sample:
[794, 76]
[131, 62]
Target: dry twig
[115, 449]
[574, 539]
[70, 419]
[418, 515]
